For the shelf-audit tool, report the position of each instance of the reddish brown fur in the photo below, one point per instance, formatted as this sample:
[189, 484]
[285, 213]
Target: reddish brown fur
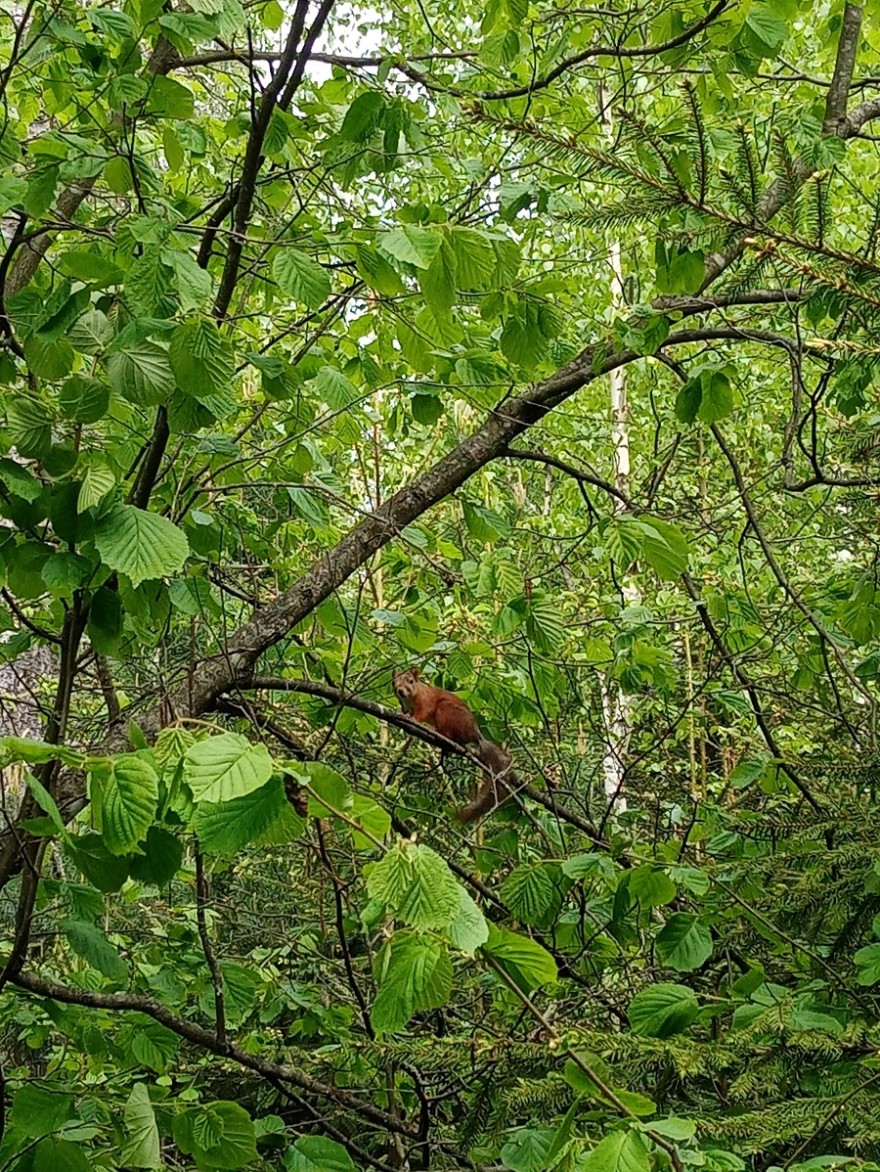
[450, 716]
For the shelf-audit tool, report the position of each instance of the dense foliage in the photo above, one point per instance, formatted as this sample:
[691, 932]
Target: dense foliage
[533, 344]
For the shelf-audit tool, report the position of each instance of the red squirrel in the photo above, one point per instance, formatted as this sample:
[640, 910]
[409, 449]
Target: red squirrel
[448, 715]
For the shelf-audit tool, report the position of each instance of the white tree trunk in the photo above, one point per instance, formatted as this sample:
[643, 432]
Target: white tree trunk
[617, 707]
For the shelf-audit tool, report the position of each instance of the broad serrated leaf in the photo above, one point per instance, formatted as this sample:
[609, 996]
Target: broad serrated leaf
[141, 544]
[202, 362]
[664, 547]
[225, 827]
[91, 333]
[28, 423]
[484, 523]
[141, 373]
[161, 860]
[129, 795]
[416, 884]
[316, 1153]
[468, 930]
[526, 961]
[140, 1149]
[532, 892]
[19, 481]
[93, 946]
[334, 388]
[219, 1135]
[622, 1151]
[684, 943]
[660, 1011]
[406, 970]
[84, 400]
[623, 541]
[194, 284]
[227, 766]
[412, 245]
[300, 277]
[97, 481]
[475, 258]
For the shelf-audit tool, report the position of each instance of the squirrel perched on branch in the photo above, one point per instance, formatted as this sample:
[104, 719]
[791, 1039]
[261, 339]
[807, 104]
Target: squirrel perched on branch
[448, 715]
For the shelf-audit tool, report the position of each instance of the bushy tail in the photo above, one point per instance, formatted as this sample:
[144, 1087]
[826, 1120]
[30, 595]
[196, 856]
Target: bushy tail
[498, 784]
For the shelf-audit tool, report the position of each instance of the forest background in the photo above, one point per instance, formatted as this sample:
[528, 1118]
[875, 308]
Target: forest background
[531, 343]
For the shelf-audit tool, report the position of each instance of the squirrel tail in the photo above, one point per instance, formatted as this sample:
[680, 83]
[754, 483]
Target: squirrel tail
[496, 787]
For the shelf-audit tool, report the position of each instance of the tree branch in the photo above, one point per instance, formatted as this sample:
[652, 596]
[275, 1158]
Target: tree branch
[135, 1003]
[841, 80]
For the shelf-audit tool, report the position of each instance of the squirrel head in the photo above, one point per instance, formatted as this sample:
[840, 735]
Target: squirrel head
[405, 682]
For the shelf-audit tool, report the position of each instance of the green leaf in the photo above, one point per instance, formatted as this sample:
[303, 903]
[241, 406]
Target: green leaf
[532, 892]
[528, 963]
[363, 116]
[225, 827]
[300, 277]
[416, 884]
[141, 1147]
[84, 400]
[375, 270]
[688, 400]
[141, 373]
[59, 1155]
[684, 943]
[175, 155]
[484, 523]
[468, 930]
[140, 544]
[868, 964]
[623, 540]
[678, 1130]
[161, 860]
[91, 333]
[28, 422]
[194, 284]
[770, 30]
[115, 24]
[717, 398]
[227, 766]
[438, 281]
[528, 1149]
[203, 363]
[129, 794]
[105, 626]
[90, 855]
[664, 548]
[475, 263]
[411, 245]
[64, 572]
[334, 388]
[406, 971]
[41, 1109]
[374, 820]
[98, 479]
[622, 1151]
[170, 98]
[650, 886]
[48, 359]
[316, 1153]
[662, 1010]
[118, 175]
[19, 481]
[84, 264]
[218, 1135]
[93, 946]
